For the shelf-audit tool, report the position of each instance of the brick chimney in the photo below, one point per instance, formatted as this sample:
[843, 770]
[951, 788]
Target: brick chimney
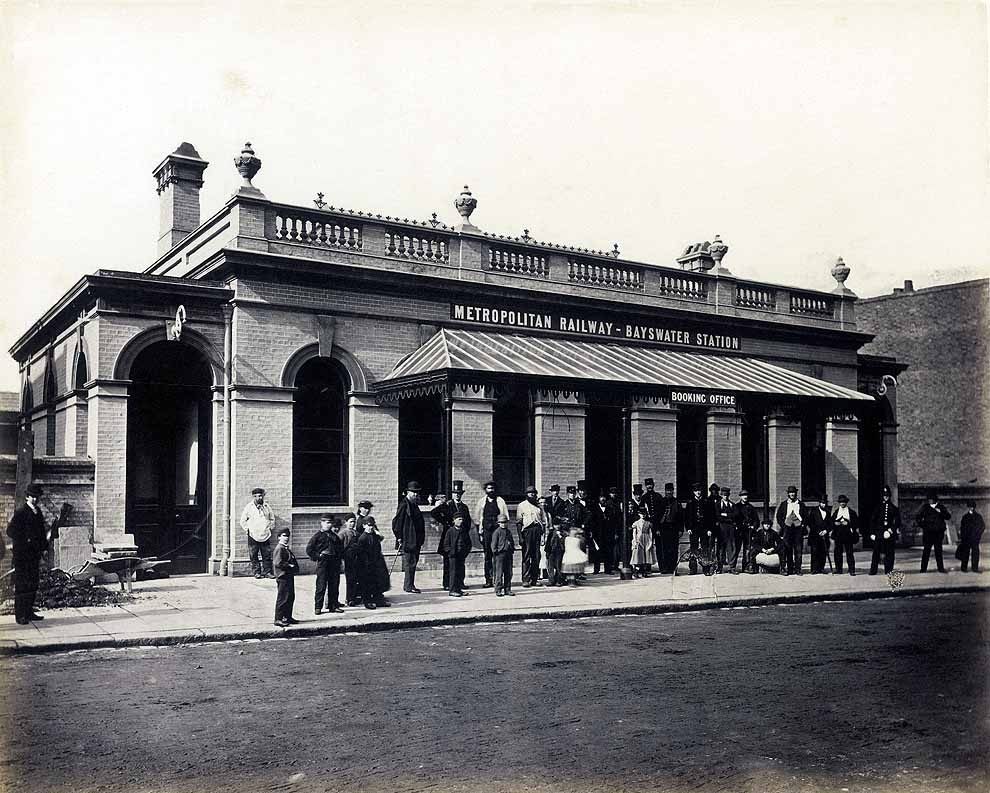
[179, 177]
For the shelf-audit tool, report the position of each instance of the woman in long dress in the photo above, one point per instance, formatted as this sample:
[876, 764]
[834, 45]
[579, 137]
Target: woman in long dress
[642, 554]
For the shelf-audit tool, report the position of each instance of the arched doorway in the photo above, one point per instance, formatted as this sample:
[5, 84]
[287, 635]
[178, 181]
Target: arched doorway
[169, 450]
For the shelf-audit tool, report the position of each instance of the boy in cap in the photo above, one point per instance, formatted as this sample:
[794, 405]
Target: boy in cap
[326, 548]
[348, 537]
[458, 546]
[258, 520]
[27, 531]
[286, 567]
[503, 546]
[971, 528]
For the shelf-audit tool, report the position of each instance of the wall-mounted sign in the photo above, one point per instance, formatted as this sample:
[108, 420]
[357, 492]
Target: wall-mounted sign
[673, 334]
[704, 398]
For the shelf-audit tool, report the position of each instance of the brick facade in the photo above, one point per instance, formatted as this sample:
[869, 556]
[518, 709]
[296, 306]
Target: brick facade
[943, 399]
[296, 284]
[653, 446]
[724, 447]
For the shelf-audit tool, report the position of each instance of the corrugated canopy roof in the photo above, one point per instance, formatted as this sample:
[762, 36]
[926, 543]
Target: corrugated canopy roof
[454, 350]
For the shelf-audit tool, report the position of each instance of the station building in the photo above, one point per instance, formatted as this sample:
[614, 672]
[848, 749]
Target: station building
[331, 355]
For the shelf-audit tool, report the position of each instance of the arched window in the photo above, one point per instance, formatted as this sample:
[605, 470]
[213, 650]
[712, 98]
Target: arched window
[82, 370]
[50, 392]
[319, 433]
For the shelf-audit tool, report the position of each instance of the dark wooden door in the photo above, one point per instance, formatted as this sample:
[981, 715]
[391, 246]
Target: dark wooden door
[168, 474]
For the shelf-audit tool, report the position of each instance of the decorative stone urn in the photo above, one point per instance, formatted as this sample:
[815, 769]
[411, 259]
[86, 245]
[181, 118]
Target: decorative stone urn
[717, 250]
[465, 204]
[247, 165]
[840, 272]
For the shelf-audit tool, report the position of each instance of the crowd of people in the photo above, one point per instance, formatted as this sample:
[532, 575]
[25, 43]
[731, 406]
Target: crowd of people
[558, 539]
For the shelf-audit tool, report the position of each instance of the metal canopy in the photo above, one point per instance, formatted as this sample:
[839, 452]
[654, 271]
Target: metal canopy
[458, 354]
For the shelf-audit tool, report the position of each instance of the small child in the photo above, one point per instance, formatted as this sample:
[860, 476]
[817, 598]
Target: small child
[575, 558]
[326, 548]
[458, 546]
[555, 555]
[503, 545]
[286, 567]
[641, 552]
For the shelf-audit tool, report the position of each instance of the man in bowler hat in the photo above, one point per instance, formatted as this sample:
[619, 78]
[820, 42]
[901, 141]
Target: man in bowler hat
[931, 519]
[27, 530]
[409, 529]
[791, 518]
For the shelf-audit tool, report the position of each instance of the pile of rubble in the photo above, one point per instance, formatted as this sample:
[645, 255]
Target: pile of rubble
[57, 590]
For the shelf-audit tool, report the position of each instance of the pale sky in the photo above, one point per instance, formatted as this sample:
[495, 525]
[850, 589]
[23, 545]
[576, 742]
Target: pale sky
[798, 131]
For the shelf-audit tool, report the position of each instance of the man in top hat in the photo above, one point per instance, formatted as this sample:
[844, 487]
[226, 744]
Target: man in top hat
[443, 513]
[489, 512]
[651, 503]
[699, 520]
[554, 503]
[624, 540]
[931, 520]
[845, 532]
[670, 522]
[725, 522]
[791, 516]
[820, 528]
[747, 522]
[533, 522]
[27, 531]
[258, 521]
[409, 529]
[602, 524]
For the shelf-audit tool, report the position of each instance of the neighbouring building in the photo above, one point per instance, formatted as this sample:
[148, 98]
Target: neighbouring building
[332, 355]
[942, 333]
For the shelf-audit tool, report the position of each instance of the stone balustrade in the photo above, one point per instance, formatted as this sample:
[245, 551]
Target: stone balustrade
[518, 261]
[814, 305]
[761, 297]
[317, 228]
[687, 286]
[416, 245]
[601, 273]
[362, 238]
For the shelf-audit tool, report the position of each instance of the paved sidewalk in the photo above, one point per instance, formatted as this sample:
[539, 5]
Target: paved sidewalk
[199, 608]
